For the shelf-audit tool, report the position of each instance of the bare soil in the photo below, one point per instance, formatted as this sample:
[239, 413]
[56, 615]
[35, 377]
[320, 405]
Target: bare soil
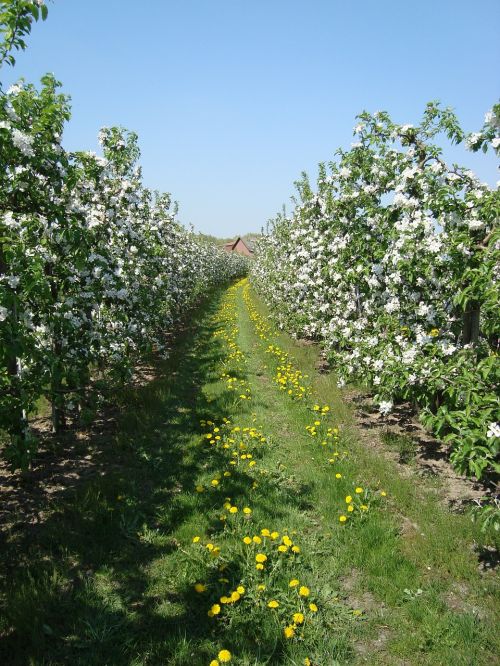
[431, 457]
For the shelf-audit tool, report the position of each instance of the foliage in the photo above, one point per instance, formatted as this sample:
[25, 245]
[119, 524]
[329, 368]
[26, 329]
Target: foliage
[393, 263]
[487, 514]
[94, 267]
[16, 18]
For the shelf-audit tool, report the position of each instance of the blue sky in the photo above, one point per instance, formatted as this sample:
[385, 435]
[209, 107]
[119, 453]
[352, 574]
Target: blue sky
[232, 99]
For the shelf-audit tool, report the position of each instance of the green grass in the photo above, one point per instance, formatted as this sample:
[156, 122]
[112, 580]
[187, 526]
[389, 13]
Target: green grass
[107, 577]
[403, 444]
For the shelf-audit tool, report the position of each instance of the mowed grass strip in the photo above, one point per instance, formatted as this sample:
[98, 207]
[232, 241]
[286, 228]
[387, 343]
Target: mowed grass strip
[82, 586]
[109, 575]
[411, 567]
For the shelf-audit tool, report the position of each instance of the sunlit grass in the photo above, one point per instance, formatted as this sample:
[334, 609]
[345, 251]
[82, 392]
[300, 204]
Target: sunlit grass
[110, 576]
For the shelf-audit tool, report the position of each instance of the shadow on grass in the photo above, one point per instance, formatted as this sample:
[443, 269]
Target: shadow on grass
[77, 587]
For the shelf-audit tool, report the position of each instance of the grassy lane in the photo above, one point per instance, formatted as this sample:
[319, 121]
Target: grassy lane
[83, 585]
[220, 532]
[409, 565]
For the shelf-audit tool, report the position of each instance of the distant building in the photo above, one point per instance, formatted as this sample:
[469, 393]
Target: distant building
[239, 246]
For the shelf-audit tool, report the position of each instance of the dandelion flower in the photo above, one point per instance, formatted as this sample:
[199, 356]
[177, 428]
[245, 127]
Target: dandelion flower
[260, 557]
[196, 539]
[298, 618]
[342, 519]
[273, 604]
[289, 632]
[313, 608]
[199, 587]
[293, 583]
[224, 656]
[304, 591]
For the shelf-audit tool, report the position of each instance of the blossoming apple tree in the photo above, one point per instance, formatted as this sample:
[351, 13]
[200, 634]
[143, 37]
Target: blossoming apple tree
[393, 262]
[94, 266]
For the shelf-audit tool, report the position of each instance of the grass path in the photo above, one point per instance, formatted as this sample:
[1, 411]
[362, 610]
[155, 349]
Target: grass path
[149, 563]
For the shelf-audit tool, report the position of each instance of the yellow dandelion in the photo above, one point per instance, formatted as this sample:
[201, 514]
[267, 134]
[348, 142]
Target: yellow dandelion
[342, 519]
[224, 656]
[359, 490]
[260, 557]
[289, 632]
[273, 603]
[293, 583]
[199, 587]
[298, 618]
[196, 539]
[304, 591]
[313, 608]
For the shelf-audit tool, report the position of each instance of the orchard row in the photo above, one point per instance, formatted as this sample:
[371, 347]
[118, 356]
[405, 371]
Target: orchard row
[94, 267]
[392, 262]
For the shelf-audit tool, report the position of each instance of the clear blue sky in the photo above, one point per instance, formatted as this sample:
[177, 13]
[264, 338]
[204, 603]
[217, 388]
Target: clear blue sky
[232, 99]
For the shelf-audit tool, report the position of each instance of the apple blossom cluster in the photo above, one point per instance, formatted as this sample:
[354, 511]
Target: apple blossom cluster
[94, 267]
[392, 262]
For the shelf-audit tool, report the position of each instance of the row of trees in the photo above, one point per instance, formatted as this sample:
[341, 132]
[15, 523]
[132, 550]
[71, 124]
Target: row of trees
[393, 262]
[94, 266]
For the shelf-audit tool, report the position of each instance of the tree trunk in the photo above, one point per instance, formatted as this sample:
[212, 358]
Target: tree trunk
[470, 328]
